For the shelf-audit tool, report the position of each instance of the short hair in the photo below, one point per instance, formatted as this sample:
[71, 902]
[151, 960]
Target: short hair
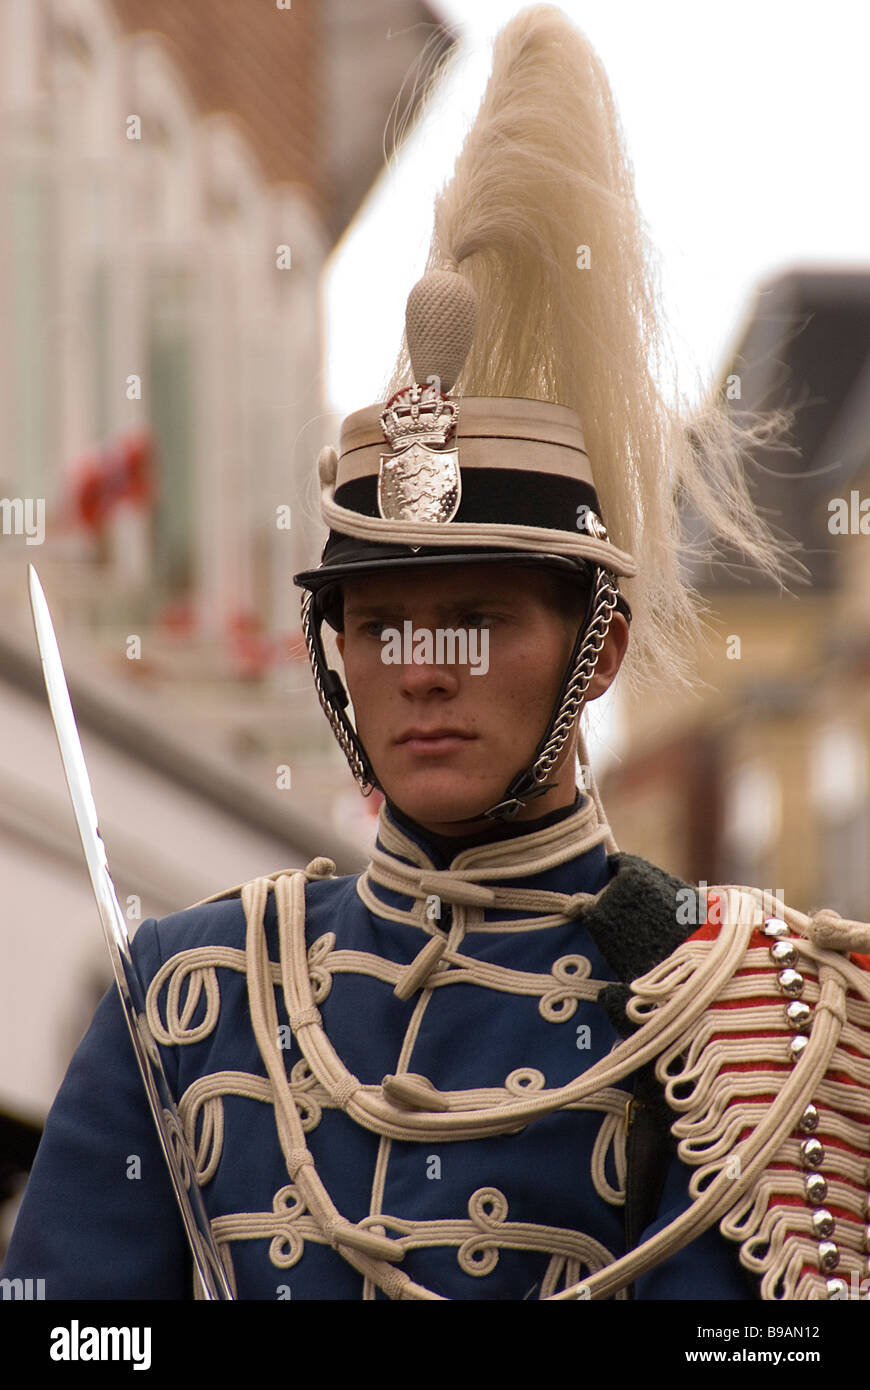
[570, 596]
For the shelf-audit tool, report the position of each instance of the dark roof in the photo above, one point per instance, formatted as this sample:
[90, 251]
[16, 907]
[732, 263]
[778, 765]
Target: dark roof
[806, 348]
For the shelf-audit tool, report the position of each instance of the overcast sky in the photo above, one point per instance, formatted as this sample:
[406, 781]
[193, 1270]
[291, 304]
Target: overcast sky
[748, 123]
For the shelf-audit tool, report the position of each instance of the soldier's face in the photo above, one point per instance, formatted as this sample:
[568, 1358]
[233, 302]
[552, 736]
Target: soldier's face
[447, 726]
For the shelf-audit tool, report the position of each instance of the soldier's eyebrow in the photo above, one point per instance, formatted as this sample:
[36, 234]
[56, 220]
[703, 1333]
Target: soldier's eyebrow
[359, 607]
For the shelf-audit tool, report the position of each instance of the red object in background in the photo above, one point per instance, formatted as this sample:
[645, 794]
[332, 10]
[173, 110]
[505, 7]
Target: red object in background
[178, 618]
[122, 472]
[252, 651]
[255, 652]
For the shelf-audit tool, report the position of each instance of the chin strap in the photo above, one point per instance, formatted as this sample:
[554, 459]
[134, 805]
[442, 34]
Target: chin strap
[334, 698]
[531, 782]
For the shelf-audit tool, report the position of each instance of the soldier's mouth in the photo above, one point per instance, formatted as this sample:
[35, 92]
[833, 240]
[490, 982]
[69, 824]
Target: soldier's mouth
[434, 740]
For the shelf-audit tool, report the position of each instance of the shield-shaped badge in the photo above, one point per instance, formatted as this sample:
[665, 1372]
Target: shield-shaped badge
[419, 484]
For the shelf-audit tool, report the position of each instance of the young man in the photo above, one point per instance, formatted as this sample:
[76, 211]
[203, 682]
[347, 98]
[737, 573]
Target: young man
[444, 736]
[504, 1062]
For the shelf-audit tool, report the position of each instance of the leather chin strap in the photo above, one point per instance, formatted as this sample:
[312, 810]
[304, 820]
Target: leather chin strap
[531, 781]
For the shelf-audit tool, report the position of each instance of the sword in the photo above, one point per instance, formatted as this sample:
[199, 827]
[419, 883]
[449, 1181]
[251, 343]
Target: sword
[176, 1151]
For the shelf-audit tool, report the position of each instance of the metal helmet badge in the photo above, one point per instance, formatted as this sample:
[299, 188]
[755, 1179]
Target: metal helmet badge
[418, 482]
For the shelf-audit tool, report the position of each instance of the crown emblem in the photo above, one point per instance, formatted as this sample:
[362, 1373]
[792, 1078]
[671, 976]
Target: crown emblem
[418, 415]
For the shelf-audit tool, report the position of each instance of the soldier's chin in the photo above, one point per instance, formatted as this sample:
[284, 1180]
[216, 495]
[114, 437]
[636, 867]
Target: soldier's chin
[435, 798]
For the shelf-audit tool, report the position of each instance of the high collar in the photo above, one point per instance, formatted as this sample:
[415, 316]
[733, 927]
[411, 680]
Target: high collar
[548, 867]
[443, 849]
[557, 869]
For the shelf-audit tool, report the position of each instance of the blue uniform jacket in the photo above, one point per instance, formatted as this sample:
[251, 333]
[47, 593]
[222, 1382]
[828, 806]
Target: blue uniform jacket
[502, 1216]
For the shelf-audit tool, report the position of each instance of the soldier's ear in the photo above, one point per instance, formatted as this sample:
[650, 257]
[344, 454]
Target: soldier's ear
[339, 642]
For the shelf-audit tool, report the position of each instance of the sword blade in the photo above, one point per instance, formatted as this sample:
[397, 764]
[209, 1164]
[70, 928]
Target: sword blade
[176, 1151]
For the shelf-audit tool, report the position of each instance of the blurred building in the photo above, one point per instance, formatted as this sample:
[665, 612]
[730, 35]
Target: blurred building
[173, 178]
[762, 777]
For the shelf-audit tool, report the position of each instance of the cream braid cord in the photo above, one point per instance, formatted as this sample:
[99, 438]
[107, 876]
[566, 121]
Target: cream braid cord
[739, 1168]
[687, 1009]
[377, 1113]
[472, 534]
[469, 886]
[750, 1159]
[670, 1002]
[361, 1248]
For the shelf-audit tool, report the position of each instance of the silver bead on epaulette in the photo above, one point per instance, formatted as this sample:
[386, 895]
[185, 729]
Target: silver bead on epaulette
[812, 1152]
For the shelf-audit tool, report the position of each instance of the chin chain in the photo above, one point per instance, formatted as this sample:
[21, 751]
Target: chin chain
[532, 781]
